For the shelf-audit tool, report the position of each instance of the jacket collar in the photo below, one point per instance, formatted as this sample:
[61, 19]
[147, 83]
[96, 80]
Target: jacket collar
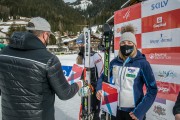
[139, 56]
[25, 41]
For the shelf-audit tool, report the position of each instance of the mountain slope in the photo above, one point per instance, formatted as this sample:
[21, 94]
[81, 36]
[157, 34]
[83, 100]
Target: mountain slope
[60, 15]
[100, 10]
[81, 4]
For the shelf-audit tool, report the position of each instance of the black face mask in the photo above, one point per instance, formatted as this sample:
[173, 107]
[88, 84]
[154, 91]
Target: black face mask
[126, 50]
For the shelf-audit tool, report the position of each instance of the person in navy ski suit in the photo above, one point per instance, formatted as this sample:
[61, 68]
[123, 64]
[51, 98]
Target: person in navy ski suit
[130, 71]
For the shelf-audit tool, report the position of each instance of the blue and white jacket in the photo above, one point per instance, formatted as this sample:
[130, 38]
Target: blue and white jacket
[130, 76]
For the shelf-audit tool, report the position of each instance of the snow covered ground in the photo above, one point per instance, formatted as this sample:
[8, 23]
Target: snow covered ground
[69, 109]
[69, 60]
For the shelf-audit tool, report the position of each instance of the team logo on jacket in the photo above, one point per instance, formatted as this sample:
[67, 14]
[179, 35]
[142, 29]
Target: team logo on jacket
[159, 110]
[115, 70]
[131, 70]
[131, 75]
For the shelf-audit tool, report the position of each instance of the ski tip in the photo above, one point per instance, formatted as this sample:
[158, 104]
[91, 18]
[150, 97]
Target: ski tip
[106, 27]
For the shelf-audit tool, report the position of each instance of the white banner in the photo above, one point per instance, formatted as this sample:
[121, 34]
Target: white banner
[164, 38]
[159, 39]
[166, 73]
[152, 7]
[161, 111]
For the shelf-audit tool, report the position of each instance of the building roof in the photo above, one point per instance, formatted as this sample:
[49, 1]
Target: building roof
[68, 39]
[4, 26]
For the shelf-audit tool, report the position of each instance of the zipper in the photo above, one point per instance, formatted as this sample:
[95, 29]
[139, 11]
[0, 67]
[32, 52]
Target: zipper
[122, 77]
[126, 61]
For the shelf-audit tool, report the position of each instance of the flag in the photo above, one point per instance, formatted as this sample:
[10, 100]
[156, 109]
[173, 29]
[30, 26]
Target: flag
[109, 100]
[75, 73]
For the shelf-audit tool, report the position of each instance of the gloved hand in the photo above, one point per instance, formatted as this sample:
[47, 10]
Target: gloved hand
[80, 84]
[84, 91]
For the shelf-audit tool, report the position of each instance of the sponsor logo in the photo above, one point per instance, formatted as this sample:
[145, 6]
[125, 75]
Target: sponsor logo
[162, 39]
[167, 91]
[159, 110]
[159, 20]
[168, 88]
[65, 73]
[131, 75]
[159, 5]
[159, 56]
[127, 14]
[131, 70]
[118, 30]
[159, 23]
[167, 74]
[163, 89]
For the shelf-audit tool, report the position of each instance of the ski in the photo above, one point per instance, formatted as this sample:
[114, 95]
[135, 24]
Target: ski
[87, 41]
[105, 46]
[85, 108]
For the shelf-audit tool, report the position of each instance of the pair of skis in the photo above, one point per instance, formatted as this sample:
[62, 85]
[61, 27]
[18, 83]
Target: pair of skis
[105, 46]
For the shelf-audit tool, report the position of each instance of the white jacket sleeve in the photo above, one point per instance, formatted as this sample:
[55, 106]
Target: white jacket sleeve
[99, 63]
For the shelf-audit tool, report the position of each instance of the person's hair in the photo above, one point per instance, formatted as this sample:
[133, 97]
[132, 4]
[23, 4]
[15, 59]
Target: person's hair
[128, 28]
[35, 32]
[79, 60]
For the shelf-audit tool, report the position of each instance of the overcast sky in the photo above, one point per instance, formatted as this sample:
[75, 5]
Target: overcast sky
[69, 0]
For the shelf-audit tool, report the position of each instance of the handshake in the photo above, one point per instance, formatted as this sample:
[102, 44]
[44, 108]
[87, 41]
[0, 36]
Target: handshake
[85, 89]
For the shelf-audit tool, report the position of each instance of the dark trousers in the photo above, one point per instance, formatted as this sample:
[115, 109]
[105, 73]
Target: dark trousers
[122, 115]
[95, 106]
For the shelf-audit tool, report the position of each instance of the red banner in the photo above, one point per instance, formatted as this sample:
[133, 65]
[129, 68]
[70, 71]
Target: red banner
[161, 21]
[127, 14]
[167, 90]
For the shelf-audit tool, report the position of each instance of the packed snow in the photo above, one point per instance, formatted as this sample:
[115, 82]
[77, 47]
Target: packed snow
[83, 5]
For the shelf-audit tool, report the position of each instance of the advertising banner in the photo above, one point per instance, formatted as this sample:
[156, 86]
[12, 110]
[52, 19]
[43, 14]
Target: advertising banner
[157, 25]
